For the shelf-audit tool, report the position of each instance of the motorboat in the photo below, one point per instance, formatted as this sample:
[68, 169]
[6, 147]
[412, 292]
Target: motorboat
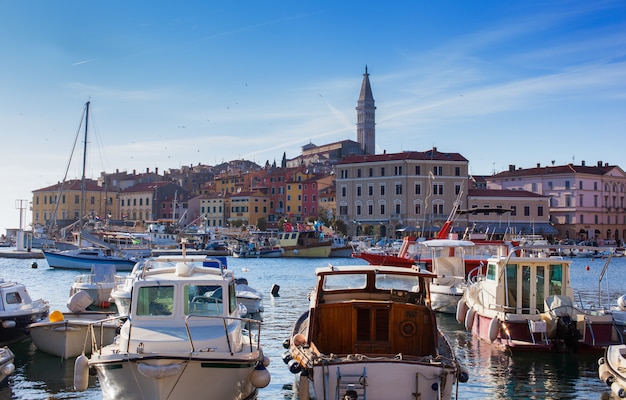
[612, 369]
[448, 263]
[66, 335]
[183, 337]
[405, 256]
[7, 366]
[18, 310]
[525, 302]
[250, 298]
[340, 247]
[97, 284]
[304, 241]
[256, 249]
[370, 332]
[86, 257]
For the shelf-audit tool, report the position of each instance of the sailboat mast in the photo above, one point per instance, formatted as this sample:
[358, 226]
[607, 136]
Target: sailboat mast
[82, 186]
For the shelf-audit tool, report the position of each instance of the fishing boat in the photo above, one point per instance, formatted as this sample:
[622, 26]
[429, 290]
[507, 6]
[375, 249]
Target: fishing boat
[370, 333]
[256, 248]
[86, 257]
[97, 285]
[17, 311]
[7, 366]
[304, 241]
[448, 263]
[525, 302]
[65, 335]
[406, 256]
[183, 337]
[340, 247]
[612, 369]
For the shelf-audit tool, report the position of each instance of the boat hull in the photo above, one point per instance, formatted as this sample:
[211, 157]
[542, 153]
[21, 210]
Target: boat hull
[69, 338]
[59, 260]
[307, 252]
[444, 298]
[7, 365]
[611, 369]
[387, 379]
[166, 377]
[20, 330]
[258, 254]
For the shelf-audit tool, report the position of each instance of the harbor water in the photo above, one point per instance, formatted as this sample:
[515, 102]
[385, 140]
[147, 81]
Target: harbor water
[493, 374]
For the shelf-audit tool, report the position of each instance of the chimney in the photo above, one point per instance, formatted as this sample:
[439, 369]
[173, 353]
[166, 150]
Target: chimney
[599, 163]
[156, 170]
[538, 165]
[147, 170]
[582, 163]
[134, 172]
[511, 167]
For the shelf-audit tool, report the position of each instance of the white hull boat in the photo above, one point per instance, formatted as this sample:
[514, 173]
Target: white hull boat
[183, 337]
[97, 284]
[65, 335]
[17, 311]
[7, 365]
[612, 369]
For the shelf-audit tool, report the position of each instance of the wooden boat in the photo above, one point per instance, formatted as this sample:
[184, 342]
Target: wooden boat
[183, 337]
[305, 241]
[525, 303]
[612, 369]
[7, 366]
[370, 333]
[65, 335]
[17, 311]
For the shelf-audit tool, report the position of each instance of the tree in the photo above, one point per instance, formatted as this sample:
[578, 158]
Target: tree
[261, 223]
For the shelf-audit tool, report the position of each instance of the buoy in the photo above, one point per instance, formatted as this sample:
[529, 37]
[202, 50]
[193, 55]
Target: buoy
[275, 289]
[34, 264]
[8, 323]
[298, 340]
[81, 373]
[587, 268]
[463, 374]
[286, 343]
[266, 361]
[618, 390]
[56, 316]
[461, 309]
[469, 319]
[294, 366]
[260, 376]
[8, 369]
[494, 329]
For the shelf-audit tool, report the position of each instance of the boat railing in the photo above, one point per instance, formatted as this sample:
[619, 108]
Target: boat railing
[95, 332]
[252, 330]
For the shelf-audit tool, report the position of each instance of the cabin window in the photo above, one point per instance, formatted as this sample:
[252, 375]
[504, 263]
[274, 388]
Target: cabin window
[526, 290]
[540, 287]
[491, 272]
[400, 282]
[14, 298]
[155, 300]
[348, 281]
[232, 297]
[511, 283]
[203, 300]
[556, 279]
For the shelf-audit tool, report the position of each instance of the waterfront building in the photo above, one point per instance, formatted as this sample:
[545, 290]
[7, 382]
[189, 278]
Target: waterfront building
[586, 202]
[382, 192]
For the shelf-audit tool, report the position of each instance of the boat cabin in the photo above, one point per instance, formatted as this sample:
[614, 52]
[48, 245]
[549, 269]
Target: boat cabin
[521, 285]
[372, 310]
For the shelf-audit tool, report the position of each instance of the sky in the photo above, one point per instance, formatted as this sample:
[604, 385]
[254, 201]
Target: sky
[174, 84]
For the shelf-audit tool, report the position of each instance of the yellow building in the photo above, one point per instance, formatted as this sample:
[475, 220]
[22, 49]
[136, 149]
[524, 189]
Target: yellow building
[248, 207]
[60, 205]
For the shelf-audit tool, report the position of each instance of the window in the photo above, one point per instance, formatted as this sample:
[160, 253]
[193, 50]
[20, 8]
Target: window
[457, 189]
[398, 188]
[397, 170]
[382, 209]
[370, 190]
[358, 173]
[567, 185]
[438, 189]
[358, 191]
[527, 211]
[418, 188]
[418, 208]
[540, 211]
[343, 191]
[417, 170]
[513, 210]
[155, 300]
[438, 170]
[382, 171]
[370, 209]
[457, 171]
[580, 185]
[382, 190]
[358, 209]
[398, 210]
[371, 172]
[343, 210]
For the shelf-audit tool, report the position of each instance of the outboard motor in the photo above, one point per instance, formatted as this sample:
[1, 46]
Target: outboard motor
[568, 332]
[350, 393]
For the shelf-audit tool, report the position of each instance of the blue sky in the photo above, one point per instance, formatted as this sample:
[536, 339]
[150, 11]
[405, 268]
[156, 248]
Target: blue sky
[181, 83]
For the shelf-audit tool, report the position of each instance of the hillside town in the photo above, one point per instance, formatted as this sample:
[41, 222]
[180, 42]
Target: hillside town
[348, 187]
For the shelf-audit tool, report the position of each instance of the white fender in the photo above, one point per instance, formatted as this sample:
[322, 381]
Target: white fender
[618, 391]
[260, 376]
[469, 319]
[605, 375]
[461, 309]
[79, 301]
[8, 369]
[81, 373]
[621, 302]
[494, 329]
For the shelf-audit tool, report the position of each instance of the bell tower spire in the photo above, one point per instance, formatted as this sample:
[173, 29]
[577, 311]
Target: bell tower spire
[366, 117]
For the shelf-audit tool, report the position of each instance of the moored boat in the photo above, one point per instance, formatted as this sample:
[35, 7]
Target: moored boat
[65, 335]
[7, 366]
[525, 302]
[305, 241]
[97, 284]
[18, 310]
[370, 333]
[86, 257]
[183, 337]
[612, 369]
